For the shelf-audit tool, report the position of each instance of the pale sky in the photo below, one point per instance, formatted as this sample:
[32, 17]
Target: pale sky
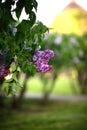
[48, 9]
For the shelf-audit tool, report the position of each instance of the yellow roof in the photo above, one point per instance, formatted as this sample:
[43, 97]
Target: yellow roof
[73, 19]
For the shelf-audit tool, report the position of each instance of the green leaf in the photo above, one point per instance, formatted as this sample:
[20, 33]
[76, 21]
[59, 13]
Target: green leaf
[32, 17]
[21, 30]
[16, 80]
[19, 84]
[20, 4]
[13, 66]
[9, 81]
[24, 25]
[11, 90]
[28, 7]
[35, 4]
[33, 70]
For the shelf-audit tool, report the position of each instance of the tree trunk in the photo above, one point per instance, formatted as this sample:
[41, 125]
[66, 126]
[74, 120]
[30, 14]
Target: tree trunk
[2, 94]
[16, 102]
[46, 94]
[82, 78]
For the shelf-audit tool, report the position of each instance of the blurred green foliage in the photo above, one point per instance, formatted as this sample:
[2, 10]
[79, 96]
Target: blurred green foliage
[70, 54]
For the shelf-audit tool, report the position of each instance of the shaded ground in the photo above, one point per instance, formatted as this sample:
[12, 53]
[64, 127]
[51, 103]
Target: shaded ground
[56, 115]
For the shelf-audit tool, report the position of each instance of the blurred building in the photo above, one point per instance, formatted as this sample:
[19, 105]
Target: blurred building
[73, 19]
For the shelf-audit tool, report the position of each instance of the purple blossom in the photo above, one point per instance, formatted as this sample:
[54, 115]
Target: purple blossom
[45, 68]
[3, 71]
[48, 54]
[35, 58]
[40, 54]
[41, 59]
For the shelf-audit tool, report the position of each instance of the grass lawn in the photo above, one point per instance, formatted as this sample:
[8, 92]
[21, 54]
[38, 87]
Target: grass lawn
[56, 115]
[62, 86]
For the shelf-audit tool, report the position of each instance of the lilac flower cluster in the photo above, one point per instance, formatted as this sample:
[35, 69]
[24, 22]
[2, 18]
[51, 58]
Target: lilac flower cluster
[3, 71]
[41, 59]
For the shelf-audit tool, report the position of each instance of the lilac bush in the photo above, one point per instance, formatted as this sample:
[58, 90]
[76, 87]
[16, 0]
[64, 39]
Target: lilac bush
[18, 41]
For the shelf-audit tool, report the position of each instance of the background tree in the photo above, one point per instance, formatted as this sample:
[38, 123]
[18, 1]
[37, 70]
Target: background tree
[70, 54]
